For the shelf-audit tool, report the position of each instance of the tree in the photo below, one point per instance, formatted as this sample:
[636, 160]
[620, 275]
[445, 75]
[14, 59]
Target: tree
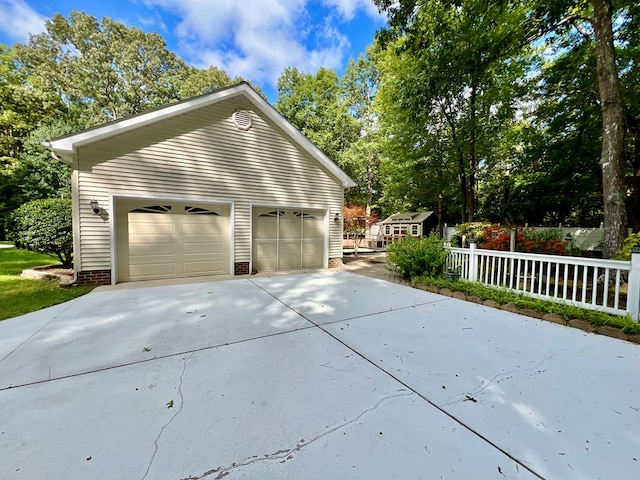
[362, 159]
[39, 174]
[24, 106]
[448, 85]
[357, 221]
[552, 176]
[537, 19]
[102, 70]
[44, 226]
[628, 56]
[315, 105]
[199, 81]
[613, 126]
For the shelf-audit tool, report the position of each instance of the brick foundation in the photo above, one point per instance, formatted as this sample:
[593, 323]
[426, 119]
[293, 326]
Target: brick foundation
[335, 262]
[241, 268]
[94, 277]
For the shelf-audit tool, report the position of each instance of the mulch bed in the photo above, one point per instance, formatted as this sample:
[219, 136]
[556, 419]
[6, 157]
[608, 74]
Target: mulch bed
[50, 272]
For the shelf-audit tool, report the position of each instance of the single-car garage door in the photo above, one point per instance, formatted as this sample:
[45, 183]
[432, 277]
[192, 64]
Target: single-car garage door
[159, 239]
[288, 238]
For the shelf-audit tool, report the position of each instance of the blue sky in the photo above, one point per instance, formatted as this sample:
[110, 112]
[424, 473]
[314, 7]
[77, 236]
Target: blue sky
[255, 39]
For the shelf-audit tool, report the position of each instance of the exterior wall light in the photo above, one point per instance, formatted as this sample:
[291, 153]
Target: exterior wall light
[336, 218]
[94, 206]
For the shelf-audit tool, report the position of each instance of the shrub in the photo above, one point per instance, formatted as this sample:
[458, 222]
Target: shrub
[471, 230]
[43, 226]
[528, 239]
[413, 257]
[633, 240]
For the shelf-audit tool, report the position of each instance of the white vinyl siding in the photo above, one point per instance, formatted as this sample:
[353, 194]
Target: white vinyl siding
[201, 156]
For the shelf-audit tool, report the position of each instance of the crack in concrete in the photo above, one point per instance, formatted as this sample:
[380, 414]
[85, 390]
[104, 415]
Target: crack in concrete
[328, 365]
[173, 417]
[283, 455]
[483, 386]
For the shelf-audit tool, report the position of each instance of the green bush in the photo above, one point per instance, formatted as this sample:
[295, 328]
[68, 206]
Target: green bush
[472, 230]
[633, 240]
[413, 257]
[43, 226]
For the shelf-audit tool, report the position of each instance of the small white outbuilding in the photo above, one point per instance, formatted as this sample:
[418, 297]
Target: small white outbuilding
[413, 224]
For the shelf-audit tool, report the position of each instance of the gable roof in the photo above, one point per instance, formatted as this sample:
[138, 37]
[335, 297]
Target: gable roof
[409, 217]
[66, 146]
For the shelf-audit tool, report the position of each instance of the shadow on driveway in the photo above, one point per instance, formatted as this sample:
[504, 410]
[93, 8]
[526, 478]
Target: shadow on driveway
[320, 375]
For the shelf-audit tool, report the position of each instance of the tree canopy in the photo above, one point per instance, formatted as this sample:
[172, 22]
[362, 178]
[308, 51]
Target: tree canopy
[536, 98]
[507, 111]
[80, 72]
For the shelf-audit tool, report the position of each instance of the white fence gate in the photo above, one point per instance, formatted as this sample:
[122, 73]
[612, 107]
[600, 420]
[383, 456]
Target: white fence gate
[611, 286]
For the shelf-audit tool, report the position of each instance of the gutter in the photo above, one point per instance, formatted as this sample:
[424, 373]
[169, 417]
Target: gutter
[47, 144]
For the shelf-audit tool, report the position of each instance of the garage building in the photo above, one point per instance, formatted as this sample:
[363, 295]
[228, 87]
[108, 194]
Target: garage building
[220, 184]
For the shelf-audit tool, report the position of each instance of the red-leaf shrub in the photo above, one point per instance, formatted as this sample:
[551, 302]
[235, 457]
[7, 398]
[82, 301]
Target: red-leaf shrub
[528, 239]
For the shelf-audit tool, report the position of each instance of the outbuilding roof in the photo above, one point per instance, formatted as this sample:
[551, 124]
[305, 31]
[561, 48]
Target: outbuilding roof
[408, 217]
[66, 146]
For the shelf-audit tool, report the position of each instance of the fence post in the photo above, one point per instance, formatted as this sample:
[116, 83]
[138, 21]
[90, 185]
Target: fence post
[473, 261]
[633, 286]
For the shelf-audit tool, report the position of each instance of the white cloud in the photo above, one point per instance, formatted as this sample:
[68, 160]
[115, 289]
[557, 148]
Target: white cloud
[258, 39]
[348, 8]
[152, 21]
[20, 20]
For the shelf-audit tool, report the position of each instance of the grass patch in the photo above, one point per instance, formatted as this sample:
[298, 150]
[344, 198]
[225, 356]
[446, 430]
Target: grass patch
[13, 261]
[23, 295]
[503, 297]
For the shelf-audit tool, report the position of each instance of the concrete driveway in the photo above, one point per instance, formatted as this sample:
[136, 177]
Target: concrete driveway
[314, 376]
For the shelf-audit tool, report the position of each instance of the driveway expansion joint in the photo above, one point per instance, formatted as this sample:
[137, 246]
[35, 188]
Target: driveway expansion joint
[147, 360]
[365, 315]
[55, 317]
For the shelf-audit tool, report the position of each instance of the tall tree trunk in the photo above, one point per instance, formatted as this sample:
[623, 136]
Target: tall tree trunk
[612, 156]
[462, 180]
[440, 209]
[462, 174]
[367, 208]
[471, 193]
[635, 185]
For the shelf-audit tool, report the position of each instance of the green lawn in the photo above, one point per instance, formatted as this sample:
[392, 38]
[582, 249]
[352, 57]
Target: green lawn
[22, 295]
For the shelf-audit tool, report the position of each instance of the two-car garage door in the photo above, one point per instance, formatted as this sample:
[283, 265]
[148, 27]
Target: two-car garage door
[160, 239]
[170, 239]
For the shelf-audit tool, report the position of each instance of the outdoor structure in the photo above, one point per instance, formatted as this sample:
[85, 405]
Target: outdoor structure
[217, 184]
[611, 286]
[400, 225]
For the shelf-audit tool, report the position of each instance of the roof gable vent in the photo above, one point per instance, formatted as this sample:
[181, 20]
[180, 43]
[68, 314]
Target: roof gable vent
[242, 120]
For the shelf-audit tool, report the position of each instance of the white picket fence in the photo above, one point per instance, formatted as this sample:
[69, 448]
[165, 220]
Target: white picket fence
[610, 286]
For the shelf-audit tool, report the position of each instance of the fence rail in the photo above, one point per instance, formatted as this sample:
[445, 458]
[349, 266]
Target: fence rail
[611, 286]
